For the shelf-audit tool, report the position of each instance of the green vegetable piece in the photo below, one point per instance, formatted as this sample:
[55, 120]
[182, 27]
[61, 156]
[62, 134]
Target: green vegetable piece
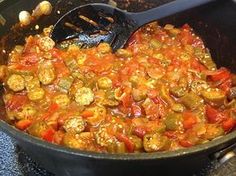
[205, 58]
[198, 85]
[36, 94]
[164, 93]
[178, 107]
[71, 64]
[155, 142]
[155, 43]
[191, 100]
[62, 100]
[174, 121]
[37, 128]
[16, 82]
[123, 53]
[213, 95]
[74, 124]
[118, 147]
[31, 83]
[138, 143]
[65, 83]
[151, 83]
[177, 91]
[46, 73]
[111, 103]
[138, 94]
[185, 56]
[213, 131]
[27, 111]
[104, 83]
[84, 96]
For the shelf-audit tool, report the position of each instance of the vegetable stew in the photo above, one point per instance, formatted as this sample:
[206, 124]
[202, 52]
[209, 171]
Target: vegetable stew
[162, 92]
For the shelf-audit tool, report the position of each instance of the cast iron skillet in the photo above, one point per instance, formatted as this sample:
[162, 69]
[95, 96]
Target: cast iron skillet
[215, 23]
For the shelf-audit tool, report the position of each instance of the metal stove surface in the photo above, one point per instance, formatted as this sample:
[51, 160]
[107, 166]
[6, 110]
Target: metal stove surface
[14, 162]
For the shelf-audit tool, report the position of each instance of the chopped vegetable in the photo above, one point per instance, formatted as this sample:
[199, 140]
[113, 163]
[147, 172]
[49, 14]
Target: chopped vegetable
[36, 94]
[123, 53]
[62, 100]
[174, 121]
[155, 142]
[104, 48]
[74, 124]
[191, 100]
[23, 124]
[104, 83]
[38, 128]
[46, 73]
[84, 96]
[16, 82]
[178, 91]
[65, 83]
[214, 96]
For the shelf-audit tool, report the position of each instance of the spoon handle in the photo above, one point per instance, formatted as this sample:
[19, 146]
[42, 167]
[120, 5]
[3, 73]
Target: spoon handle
[165, 10]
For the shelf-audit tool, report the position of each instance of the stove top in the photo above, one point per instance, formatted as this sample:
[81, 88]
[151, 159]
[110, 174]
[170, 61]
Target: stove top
[15, 162]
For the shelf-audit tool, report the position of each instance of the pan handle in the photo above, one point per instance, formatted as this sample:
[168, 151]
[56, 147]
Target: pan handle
[225, 162]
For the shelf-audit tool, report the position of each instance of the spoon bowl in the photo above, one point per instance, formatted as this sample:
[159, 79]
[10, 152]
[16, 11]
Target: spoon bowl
[92, 24]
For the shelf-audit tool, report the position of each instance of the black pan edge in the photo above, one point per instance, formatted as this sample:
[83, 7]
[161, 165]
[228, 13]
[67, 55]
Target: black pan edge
[221, 142]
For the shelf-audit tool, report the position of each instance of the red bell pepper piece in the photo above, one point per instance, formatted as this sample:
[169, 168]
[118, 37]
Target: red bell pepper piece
[213, 115]
[228, 124]
[128, 143]
[48, 135]
[140, 131]
[221, 74]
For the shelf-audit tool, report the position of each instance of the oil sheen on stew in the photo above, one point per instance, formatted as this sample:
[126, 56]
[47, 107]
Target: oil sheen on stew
[162, 92]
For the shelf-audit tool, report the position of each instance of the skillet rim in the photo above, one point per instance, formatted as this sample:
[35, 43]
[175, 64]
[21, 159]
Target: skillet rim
[26, 138]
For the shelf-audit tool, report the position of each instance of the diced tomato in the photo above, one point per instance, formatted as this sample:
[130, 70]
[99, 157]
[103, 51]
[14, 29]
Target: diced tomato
[140, 131]
[86, 114]
[48, 135]
[189, 120]
[136, 110]
[185, 143]
[228, 124]
[170, 134]
[30, 59]
[225, 86]
[213, 115]
[128, 143]
[126, 98]
[23, 124]
[16, 102]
